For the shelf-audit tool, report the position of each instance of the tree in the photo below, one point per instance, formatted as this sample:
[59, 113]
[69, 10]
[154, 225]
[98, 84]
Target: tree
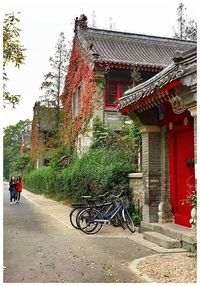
[53, 83]
[186, 27]
[12, 136]
[13, 52]
[21, 165]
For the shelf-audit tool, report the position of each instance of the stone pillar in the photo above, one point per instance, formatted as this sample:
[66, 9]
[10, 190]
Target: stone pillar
[98, 96]
[136, 186]
[193, 112]
[39, 161]
[165, 208]
[151, 162]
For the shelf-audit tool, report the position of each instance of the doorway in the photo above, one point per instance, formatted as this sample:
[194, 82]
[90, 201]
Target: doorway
[182, 177]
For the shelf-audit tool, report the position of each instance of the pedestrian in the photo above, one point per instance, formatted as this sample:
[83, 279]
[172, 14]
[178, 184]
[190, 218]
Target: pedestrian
[13, 190]
[19, 188]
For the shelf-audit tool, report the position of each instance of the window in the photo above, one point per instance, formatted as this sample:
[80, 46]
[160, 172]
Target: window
[76, 102]
[114, 91]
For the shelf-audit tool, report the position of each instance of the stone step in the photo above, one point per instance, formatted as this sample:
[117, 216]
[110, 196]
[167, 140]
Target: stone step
[163, 229]
[171, 229]
[161, 240]
[138, 238]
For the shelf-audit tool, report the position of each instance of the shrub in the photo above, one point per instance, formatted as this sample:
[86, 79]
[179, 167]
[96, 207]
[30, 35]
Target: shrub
[43, 180]
[61, 158]
[105, 167]
[97, 171]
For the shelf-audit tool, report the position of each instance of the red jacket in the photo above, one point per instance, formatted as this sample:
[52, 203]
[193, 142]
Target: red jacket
[19, 186]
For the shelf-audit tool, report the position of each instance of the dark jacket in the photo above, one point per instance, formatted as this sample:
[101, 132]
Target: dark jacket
[13, 189]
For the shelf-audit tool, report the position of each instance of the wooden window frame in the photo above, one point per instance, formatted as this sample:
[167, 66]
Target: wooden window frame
[118, 94]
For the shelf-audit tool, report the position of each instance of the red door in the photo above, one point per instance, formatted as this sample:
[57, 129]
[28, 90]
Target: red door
[182, 179]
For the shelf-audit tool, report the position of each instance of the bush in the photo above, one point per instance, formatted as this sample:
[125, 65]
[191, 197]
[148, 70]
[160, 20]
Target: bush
[105, 167]
[43, 180]
[61, 158]
[97, 171]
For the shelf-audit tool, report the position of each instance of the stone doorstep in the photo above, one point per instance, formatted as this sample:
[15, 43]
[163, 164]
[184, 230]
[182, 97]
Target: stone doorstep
[162, 240]
[172, 230]
[138, 238]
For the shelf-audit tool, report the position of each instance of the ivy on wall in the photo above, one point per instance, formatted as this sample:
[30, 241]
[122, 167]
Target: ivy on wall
[80, 74]
[34, 139]
[45, 135]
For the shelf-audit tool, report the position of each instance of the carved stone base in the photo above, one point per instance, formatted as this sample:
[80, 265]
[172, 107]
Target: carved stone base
[165, 214]
[193, 219]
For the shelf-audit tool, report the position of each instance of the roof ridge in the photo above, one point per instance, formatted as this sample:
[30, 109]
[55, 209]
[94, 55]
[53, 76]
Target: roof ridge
[144, 36]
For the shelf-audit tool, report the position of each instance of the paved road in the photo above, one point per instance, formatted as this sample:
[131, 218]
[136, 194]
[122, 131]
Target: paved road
[38, 248]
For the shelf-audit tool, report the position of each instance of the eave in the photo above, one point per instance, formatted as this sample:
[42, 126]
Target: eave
[159, 88]
[118, 65]
[156, 98]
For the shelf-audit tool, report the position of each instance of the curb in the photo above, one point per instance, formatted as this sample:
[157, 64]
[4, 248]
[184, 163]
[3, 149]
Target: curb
[133, 266]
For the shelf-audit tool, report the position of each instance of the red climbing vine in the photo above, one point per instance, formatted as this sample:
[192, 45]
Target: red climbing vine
[80, 74]
[34, 139]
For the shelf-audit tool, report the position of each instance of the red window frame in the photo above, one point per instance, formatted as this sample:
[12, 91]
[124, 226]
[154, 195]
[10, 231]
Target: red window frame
[116, 96]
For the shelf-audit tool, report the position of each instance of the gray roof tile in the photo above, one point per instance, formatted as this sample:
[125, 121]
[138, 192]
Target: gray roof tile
[181, 66]
[132, 49]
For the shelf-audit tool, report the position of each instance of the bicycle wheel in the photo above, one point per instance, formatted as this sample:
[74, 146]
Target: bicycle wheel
[128, 220]
[86, 220]
[117, 221]
[73, 215]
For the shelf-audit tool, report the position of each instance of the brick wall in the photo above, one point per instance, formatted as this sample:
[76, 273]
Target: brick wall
[151, 162]
[165, 188]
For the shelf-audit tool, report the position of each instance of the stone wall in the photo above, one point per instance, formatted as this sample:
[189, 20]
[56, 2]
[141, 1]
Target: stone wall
[136, 185]
[113, 119]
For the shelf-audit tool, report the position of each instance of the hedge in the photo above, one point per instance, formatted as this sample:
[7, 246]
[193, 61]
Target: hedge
[97, 171]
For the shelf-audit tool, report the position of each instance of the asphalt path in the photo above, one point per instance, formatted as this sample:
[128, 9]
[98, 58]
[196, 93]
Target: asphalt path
[40, 249]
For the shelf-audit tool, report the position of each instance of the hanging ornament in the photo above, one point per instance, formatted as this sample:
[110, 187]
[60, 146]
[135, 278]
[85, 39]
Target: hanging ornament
[177, 105]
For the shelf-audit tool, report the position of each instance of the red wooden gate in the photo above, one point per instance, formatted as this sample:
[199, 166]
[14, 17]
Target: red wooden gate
[182, 181]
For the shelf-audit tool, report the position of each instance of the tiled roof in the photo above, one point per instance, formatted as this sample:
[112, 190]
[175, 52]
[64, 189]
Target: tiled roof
[183, 64]
[131, 49]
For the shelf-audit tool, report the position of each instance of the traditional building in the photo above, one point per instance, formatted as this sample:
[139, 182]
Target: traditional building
[165, 110]
[43, 140]
[102, 66]
[26, 140]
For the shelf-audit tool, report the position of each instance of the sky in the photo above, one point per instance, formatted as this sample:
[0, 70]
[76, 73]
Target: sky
[43, 20]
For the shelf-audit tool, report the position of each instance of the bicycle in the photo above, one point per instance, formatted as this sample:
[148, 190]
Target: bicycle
[101, 201]
[91, 220]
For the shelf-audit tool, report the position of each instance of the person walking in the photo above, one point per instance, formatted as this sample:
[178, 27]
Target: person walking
[13, 190]
[19, 188]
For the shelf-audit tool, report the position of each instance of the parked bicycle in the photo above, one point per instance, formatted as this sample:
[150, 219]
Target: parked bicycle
[90, 220]
[103, 202]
